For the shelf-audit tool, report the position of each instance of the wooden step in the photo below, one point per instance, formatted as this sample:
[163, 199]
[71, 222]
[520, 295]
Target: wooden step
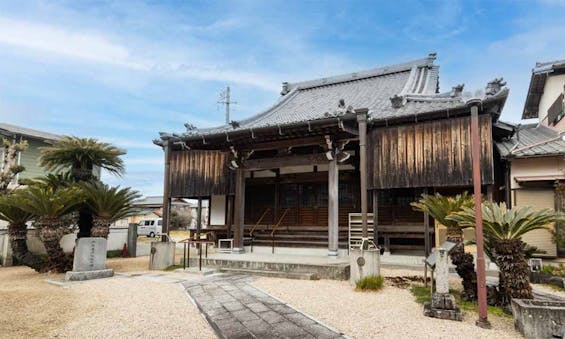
[274, 274]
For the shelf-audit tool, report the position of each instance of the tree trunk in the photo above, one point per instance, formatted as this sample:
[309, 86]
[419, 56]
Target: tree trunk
[51, 232]
[84, 223]
[100, 227]
[514, 280]
[464, 265]
[17, 234]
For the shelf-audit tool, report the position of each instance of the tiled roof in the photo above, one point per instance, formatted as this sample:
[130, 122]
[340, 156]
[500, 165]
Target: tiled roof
[414, 84]
[537, 86]
[7, 129]
[532, 140]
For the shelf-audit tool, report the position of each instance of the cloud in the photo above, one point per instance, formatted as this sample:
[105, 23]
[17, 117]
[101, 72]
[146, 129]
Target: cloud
[85, 46]
[96, 48]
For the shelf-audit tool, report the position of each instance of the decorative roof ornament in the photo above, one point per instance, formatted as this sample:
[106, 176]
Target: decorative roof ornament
[285, 88]
[397, 101]
[495, 86]
[343, 109]
[190, 127]
[234, 124]
[456, 91]
[432, 55]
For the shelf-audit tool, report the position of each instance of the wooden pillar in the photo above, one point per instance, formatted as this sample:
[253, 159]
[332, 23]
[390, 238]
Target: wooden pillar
[229, 215]
[362, 122]
[507, 184]
[426, 230]
[476, 158]
[239, 210]
[490, 189]
[333, 208]
[375, 216]
[166, 190]
[199, 218]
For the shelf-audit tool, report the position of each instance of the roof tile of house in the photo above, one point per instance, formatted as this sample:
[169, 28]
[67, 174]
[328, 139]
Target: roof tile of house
[532, 140]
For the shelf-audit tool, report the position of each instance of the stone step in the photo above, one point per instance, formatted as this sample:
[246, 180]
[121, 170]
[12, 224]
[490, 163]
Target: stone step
[273, 274]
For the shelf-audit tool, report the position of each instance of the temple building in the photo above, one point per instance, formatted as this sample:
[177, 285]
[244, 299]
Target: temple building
[361, 145]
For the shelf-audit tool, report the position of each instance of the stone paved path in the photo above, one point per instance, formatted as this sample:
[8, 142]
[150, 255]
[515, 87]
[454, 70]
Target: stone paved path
[236, 309]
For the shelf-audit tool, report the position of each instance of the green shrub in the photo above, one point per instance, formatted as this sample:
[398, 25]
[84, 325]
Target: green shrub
[370, 283]
[554, 270]
[114, 254]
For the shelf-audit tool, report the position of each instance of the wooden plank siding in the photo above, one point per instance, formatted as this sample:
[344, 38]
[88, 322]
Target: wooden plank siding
[429, 154]
[197, 173]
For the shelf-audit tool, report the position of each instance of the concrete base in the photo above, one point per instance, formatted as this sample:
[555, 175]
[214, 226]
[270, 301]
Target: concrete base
[89, 275]
[539, 319]
[162, 255]
[321, 267]
[196, 271]
[443, 306]
[364, 263]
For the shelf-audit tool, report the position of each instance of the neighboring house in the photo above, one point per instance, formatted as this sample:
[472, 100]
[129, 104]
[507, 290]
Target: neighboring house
[291, 174]
[535, 153]
[30, 157]
[151, 207]
[546, 95]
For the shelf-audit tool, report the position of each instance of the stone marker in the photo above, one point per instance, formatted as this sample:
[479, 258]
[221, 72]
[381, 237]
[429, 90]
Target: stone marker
[443, 304]
[89, 260]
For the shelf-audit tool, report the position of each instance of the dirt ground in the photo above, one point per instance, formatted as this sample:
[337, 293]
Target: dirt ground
[117, 307]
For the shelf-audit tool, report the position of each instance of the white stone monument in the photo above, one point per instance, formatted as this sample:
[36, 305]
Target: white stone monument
[443, 304]
[89, 260]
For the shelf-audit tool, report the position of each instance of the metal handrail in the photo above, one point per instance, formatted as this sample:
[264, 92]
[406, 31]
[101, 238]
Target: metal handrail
[256, 225]
[275, 229]
[259, 221]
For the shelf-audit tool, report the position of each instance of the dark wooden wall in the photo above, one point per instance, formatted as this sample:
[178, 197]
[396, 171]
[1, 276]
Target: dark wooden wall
[198, 173]
[428, 154]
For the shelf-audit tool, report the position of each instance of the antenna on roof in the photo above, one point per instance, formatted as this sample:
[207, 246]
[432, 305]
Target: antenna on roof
[224, 99]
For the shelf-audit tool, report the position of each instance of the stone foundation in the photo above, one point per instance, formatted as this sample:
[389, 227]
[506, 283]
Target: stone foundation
[88, 275]
[443, 306]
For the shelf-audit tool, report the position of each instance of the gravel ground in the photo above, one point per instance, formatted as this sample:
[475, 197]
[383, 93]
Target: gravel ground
[389, 313]
[118, 307]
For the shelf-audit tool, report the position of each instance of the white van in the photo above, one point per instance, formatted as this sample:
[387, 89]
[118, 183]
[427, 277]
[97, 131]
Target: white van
[150, 227]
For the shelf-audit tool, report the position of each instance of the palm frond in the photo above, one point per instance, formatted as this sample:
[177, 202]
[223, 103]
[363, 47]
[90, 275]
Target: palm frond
[108, 202]
[11, 212]
[82, 154]
[47, 202]
[440, 207]
[501, 223]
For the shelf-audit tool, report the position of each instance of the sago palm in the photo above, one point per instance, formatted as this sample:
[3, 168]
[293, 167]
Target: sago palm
[17, 220]
[107, 205]
[81, 156]
[440, 207]
[49, 207]
[503, 231]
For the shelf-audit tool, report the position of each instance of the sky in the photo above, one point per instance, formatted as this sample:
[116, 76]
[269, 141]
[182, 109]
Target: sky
[121, 71]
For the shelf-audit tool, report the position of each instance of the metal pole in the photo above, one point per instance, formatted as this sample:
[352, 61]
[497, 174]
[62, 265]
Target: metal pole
[228, 105]
[481, 270]
[166, 190]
